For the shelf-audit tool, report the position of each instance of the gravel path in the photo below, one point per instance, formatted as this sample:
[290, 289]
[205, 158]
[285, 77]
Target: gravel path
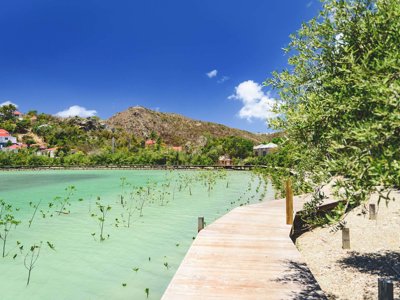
[375, 252]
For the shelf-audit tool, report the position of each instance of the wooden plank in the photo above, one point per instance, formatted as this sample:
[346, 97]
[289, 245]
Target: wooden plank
[246, 254]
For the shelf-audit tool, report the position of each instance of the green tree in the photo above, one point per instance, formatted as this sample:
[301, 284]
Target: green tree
[340, 97]
[7, 112]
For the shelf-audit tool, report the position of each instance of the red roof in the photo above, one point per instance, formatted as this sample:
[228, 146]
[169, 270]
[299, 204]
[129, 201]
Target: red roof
[17, 113]
[51, 149]
[150, 142]
[4, 132]
[16, 146]
[177, 148]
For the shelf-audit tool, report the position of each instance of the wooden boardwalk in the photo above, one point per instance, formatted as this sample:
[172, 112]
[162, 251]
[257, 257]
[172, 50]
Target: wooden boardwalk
[246, 254]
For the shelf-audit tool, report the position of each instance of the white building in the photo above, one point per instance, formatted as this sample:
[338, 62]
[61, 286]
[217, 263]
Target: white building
[6, 138]
[264, 149]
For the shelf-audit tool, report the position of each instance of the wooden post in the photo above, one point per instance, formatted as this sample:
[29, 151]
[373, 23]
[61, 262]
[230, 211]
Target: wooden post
[372, 212]
[385, 289]
[289, 202]
[346, 238]
[200, 224]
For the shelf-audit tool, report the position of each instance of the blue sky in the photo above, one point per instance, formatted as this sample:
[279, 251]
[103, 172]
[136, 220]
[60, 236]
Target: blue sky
[105, 56]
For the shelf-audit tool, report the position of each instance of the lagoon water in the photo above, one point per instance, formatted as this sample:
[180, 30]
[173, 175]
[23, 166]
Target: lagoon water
[143, 256]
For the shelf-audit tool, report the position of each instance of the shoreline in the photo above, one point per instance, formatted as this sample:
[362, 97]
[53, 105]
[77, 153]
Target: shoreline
[129, 167]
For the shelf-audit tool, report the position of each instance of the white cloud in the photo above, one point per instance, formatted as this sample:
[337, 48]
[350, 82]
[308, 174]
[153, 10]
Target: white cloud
[212, 73]
[76, 110]
[308, 5]
[8, 103]
[256, 103]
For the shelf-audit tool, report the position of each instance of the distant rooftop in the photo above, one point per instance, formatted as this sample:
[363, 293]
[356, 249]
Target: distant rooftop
[265, 146]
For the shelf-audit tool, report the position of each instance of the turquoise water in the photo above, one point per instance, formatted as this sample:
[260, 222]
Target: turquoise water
[131, 259]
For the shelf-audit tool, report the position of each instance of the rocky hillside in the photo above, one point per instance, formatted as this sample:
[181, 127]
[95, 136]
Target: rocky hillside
[173, 128]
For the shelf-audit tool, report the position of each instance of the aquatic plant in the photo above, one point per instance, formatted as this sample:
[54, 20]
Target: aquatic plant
[30, 259]
[142, 197]
[187, 183]
[130, 208]
[123, 185]
[35, 206]
[101, 217]
[147, 291]
[162, 193]
[7, 222]
[70, 190]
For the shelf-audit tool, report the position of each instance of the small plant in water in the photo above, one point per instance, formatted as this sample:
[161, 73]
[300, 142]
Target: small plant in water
[7, 221]
[101, 217]
[142, 197]
[66, 200]
[122, 185]
[147, 291]
[35, 206]
[31, 258]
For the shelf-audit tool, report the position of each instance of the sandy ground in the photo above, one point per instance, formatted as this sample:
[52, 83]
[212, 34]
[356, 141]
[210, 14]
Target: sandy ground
[375, 252]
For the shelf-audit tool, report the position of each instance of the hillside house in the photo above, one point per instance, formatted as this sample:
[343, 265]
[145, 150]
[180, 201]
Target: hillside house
[50, 152]
[176, 148]
[19, 115]
[264, 149]
[14, 148]
[150, 143]
[6, 138]
[224, 160]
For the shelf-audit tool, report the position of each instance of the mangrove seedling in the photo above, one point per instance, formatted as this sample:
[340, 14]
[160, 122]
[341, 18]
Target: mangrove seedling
[122, 185]
[141, 199]
[130, 209]
[101, 217]
[35, 206]
[31, 258]
[147, 291]
[135, 269]
[7, 221]
[70, 190]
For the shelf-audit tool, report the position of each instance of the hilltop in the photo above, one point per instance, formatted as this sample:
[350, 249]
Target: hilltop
[135, 136]
[174, 128]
